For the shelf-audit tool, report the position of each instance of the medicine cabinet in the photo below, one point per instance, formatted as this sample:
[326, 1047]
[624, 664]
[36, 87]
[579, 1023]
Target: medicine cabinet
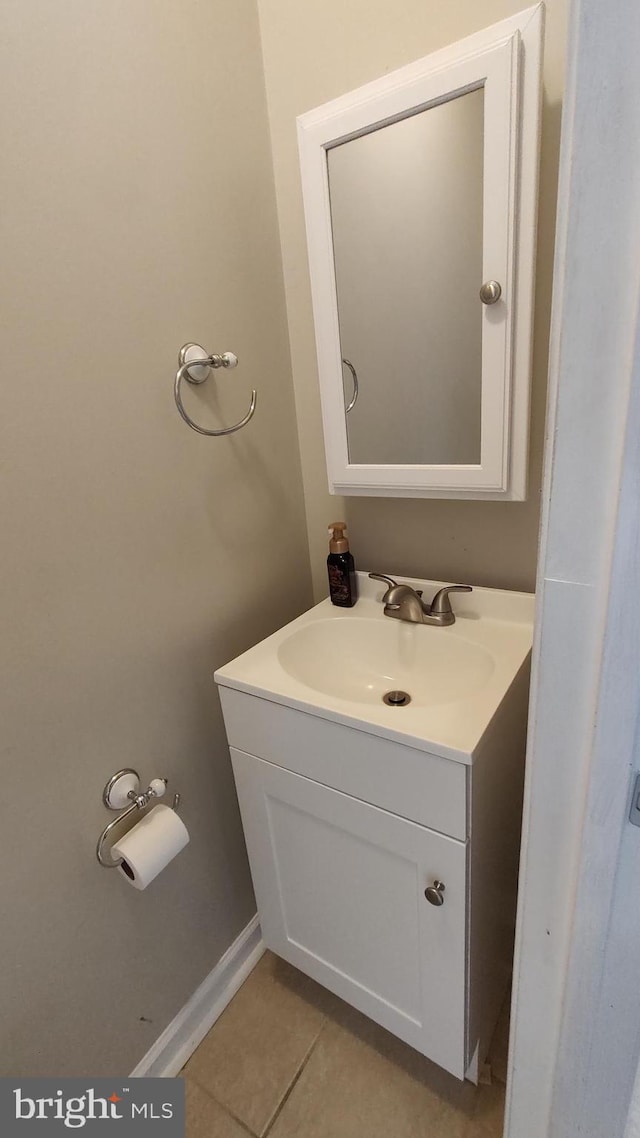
[420, 195]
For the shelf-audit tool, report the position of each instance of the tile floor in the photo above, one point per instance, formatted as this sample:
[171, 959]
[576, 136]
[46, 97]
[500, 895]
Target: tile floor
[289, 1060]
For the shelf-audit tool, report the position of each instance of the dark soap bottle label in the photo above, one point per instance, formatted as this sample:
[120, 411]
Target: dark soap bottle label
[342, 579]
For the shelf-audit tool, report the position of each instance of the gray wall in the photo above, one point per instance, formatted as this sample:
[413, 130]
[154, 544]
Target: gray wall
[333, 49]
[137, 213]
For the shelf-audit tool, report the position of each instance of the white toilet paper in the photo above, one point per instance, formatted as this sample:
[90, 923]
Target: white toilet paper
[150, 845]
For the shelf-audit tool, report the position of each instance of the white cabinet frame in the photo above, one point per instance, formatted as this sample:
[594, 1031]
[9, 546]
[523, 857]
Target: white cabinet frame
[362, 925]
[505, 60]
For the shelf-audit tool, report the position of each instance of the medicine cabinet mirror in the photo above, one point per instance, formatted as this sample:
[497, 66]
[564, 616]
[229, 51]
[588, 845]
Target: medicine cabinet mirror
[420, 195]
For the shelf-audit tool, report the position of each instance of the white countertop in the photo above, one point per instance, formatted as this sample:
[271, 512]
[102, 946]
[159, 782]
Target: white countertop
[494, 626]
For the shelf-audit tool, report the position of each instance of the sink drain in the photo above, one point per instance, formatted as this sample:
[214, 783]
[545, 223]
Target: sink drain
[396, 698]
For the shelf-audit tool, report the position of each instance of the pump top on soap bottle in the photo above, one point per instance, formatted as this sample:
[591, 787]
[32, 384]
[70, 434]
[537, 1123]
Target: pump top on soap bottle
[343, 583]
[338, 543]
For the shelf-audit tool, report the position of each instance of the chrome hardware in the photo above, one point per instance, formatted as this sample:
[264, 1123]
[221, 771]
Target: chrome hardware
[381, 577]
[354, 374]
[194, 367]
[434, 892]
[490, 292]
[396, 698]
[198, 369]
[441, 605]
[405, 603]
[114, 797]
[116, 793]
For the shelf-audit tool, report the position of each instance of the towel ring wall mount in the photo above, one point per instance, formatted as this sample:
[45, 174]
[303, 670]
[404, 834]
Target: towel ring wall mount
[194, 366]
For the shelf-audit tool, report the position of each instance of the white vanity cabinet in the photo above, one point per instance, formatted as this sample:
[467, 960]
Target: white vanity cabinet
[346, 830]
[340, 887]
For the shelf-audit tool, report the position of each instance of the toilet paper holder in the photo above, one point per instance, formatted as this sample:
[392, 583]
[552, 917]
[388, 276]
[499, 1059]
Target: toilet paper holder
[123, 787]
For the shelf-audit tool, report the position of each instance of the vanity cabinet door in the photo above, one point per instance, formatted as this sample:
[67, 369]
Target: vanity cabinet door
[340, 887]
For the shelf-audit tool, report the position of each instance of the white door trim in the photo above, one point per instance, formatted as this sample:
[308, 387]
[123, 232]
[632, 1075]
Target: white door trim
[572, 1057]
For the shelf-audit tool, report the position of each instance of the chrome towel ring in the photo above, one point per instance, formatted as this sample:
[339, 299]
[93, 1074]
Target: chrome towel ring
[194, 367]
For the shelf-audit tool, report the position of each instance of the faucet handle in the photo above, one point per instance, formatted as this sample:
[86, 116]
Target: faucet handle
[441, 602]
[389, 595]
[381, 577]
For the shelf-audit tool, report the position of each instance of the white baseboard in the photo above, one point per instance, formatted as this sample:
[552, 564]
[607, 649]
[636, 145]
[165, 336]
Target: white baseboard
[179, 1040]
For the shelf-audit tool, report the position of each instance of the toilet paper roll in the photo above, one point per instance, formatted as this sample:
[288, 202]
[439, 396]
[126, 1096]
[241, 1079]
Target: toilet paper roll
[150, 845]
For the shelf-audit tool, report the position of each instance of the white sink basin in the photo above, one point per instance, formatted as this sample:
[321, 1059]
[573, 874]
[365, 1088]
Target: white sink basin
[363, 659]
[339, 663]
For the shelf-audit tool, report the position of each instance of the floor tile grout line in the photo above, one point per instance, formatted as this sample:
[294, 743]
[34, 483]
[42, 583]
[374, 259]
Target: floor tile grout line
[285, 1098]
[241, 1124]
[277, 1111]
[294, 1082]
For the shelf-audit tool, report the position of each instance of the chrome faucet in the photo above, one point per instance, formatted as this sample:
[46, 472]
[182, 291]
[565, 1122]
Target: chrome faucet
[405, 603]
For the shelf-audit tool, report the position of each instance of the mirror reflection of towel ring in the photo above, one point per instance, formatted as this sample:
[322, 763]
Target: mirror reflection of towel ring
[194, 367]
[355, 385]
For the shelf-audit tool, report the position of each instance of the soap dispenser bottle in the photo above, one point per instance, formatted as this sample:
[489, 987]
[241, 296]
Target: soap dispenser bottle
[343, 583]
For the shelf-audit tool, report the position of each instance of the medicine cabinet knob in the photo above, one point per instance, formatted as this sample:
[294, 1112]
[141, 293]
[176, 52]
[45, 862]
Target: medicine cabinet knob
[434, 892]
[490, 292]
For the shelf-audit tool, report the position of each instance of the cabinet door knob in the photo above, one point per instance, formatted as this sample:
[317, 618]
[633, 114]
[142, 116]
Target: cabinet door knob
[434, 892]
[490, 292]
